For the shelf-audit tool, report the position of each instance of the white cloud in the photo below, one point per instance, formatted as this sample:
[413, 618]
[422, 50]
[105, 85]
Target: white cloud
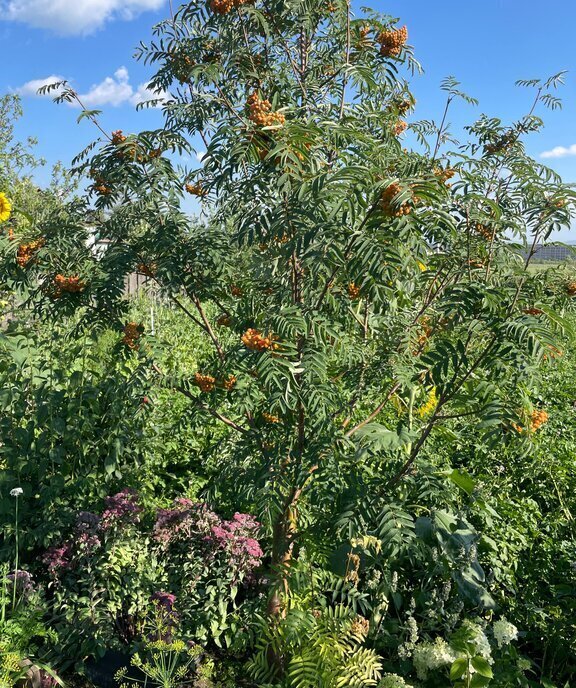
[560, 152]
[30, 88]
[144, 93]
[113, 90]
[74, 16]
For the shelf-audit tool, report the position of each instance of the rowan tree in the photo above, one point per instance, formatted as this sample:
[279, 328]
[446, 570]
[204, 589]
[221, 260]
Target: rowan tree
[360, 296]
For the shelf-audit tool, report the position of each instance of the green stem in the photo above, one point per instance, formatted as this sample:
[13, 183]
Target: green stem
[15, 582]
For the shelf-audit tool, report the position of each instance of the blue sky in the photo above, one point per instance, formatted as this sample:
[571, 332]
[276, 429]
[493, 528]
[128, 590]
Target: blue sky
[486, 44]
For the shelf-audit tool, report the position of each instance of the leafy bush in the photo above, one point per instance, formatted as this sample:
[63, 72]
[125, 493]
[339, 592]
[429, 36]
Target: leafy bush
[115, 566]
[371, 339]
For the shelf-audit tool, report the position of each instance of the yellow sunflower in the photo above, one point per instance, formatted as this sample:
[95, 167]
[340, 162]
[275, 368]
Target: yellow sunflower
[5, 208]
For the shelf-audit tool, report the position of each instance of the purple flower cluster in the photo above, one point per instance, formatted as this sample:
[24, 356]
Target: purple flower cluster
[88, 543]
[87, 522]
[184, 521]
[237, 538]
[58, 559]
[47, 681]
[22, 580]
[166, 616]
[123, 507]
[191, 526]
[195, 523]
[165, 600]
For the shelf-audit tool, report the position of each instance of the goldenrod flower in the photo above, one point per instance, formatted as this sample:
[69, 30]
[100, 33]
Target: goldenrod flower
[5, 207]
[429, 405]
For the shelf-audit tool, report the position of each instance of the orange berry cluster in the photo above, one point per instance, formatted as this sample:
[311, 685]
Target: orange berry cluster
[364, 37]
[502, 144]
[571, 288]
[226, 6]
[132, 333]
[132, 153]
[269, 418]
[537, 418]
[205, 382]
[392, 41]
[195, 189]
[425, 331]
[181, 64]
[484, 231]
[260, 112]
[353, 291]
[443, 175]
[146, 270]
[101, 188]
[533, 311]
[553, 352]
[236, 291]
[256, 341]
[400, 127]
[229, 383]
[26, 252]
[386, 198]
[284, 239]
[402, 105]
[70, 285]
[360, 627]
[118, 137]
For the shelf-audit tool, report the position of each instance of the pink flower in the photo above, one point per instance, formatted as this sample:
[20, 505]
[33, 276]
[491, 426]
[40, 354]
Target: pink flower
[58, 559]
[163, 599]
[122, 508]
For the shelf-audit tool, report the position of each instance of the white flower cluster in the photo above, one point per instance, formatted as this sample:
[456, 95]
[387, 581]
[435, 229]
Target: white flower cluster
[393, 681]
[480, 641]
[16, 492]
[429, 656]
[504, 632]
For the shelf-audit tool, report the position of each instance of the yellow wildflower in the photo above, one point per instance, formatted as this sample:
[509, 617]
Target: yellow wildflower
[5, 207]
[429, 405]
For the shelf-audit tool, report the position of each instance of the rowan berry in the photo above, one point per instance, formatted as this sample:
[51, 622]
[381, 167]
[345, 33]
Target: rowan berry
[254, 339]
[26, 252]
[386, 201]
[205, 382]
[392, 41]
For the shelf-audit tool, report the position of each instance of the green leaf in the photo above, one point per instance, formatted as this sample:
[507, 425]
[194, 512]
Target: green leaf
[482, 667]
[459, 668]
[88, 113]
[463, 480]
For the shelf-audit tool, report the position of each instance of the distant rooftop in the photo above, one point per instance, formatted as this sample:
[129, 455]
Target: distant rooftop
[556, 254]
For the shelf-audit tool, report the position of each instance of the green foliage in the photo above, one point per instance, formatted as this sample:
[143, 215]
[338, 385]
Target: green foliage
[110, 569]
[317, 647]
[70, 425]
[25, 638]
[364, 338]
